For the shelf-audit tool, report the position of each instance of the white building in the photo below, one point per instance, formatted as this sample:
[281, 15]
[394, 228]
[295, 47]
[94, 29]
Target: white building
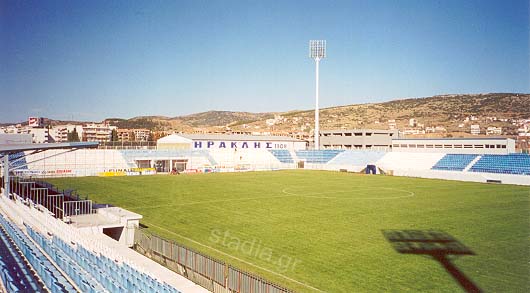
[492, 130]
[409, 131]
[392, 124]
[357, 138]
[15, 138]
[455, 145]
[97, 132]
[475, 129]
[141, 134]
[229, 141]
[9, 129]
[38, 135]
[59, 133]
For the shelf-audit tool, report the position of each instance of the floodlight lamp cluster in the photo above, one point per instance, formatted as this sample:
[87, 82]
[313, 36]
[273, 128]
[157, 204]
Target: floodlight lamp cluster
[317, 49]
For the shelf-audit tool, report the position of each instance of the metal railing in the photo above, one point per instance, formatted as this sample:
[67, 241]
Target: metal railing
[124, 145]
[213, 274]
[60, 203]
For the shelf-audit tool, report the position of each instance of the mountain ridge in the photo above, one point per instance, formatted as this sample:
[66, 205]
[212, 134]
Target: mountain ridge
[446, 110]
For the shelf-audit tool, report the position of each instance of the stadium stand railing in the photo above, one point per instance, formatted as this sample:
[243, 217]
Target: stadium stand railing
[454, 162]
[514, 164]
[213, 274]
[46, 196]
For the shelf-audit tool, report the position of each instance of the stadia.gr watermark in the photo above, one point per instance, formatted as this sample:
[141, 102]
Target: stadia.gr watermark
[255, 249]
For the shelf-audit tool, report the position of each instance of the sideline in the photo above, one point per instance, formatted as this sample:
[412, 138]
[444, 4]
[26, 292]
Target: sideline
[236, 258]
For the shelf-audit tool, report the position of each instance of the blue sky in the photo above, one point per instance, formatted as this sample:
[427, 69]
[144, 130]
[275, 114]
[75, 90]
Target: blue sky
[89, 60]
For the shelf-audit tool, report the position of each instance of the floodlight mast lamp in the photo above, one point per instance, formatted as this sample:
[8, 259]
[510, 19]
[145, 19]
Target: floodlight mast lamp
[317, 51]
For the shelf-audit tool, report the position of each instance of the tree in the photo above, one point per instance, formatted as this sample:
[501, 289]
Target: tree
[72, 136]
[114, 135]
[151, 136]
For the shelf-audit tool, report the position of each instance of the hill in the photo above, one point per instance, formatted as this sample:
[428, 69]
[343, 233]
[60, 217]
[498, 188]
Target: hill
[447, 112]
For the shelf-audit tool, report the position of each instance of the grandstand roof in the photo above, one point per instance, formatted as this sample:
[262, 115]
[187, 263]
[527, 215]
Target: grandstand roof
[15, 148]
[174, 138]
[237, 137]
[456, 138]
[360, 130]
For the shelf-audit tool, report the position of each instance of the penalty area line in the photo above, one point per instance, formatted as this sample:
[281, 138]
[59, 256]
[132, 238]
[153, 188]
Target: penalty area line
[236, 258]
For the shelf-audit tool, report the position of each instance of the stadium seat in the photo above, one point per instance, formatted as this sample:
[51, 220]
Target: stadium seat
[12, 268]
[284, 156]
[515, 164]
[454, 162]
[317, 156]
[48, 273]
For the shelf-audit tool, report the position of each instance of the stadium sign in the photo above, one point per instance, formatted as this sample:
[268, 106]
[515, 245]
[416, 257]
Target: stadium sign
[210, 144]
[27, 172]
[35, 122]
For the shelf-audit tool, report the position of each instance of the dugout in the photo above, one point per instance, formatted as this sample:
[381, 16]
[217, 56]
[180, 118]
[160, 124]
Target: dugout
[371, 169]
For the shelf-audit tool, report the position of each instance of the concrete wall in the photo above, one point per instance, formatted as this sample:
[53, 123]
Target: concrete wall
[13, 138]
[465, 176]
[501, 146]
[357, 138]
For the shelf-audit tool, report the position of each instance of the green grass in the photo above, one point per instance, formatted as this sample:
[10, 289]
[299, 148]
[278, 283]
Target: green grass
[324, 229]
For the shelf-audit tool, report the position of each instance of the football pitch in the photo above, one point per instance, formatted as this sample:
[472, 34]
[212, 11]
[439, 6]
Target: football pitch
[327, 231]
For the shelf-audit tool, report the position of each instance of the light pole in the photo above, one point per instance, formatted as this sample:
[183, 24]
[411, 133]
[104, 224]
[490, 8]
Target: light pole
[317, 51]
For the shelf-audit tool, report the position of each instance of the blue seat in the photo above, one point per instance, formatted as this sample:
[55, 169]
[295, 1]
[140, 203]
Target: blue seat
[284, 156]
[317, 156]
[454, 162]
[90, 272]
[516, 164]
[47, 272]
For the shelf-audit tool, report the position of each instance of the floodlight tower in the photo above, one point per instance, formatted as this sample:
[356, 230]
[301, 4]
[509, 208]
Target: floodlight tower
[317, 51]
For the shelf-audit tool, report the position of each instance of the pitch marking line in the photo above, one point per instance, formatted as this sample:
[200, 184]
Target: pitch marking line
[236, 258]
[214, 201]
[290, 194]
[316, 194]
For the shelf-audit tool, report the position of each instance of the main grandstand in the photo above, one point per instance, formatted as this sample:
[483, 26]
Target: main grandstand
[55, 240]
[478, 160]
